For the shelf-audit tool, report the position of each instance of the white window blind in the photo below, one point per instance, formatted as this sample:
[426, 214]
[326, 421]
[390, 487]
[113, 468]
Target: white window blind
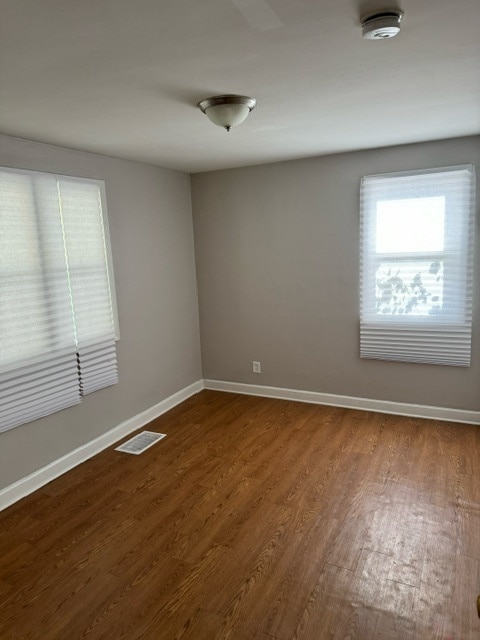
[416, 270]
[57, 334]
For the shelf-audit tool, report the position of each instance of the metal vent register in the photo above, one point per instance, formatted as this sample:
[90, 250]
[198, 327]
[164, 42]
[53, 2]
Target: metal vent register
[140, 442]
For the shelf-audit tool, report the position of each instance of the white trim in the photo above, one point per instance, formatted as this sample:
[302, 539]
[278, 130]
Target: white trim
[37, 479]
[365, 404]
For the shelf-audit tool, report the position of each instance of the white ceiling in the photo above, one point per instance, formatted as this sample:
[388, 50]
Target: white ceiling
[122, 77]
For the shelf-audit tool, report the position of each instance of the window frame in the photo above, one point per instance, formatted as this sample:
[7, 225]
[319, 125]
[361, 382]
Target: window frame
[456, 256]
[71, 362]
[106, 228]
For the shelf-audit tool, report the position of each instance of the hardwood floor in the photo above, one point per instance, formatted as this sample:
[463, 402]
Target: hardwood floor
[255, 519]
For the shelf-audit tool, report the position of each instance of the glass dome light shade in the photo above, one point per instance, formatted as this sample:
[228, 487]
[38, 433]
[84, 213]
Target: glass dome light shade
[227, 115]
[227, 110]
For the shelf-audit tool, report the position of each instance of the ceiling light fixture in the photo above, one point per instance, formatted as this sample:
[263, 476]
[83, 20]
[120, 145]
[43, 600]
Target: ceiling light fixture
[227, 111]
[382, 25]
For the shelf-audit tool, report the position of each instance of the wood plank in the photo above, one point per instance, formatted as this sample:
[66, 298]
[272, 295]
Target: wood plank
[203, 626]
[465, 622]
[328, 605]
[287, 591]
[396, 619]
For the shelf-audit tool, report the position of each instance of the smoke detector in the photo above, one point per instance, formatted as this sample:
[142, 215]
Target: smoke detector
[382, 25]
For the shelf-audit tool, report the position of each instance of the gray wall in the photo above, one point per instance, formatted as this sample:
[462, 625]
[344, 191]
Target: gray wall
[277, 250]
[150, 221]
[277, 264]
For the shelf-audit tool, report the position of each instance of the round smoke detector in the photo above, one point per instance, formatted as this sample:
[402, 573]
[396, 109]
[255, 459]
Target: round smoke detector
[382, 25]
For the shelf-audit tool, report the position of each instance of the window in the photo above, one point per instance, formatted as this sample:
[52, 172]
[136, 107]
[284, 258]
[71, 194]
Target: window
[57, 329]
[416, 271]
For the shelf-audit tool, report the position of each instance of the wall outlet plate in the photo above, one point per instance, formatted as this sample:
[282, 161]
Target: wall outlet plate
[256, 366]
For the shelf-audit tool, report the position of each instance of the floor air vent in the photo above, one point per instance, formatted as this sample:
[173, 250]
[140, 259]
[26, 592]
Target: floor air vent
[140, 442]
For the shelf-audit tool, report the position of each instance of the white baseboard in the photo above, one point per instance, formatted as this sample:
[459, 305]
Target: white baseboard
[365, 404]
[37, 479]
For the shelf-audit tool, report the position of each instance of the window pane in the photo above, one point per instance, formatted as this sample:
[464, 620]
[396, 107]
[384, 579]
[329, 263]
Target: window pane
[22, 285]
[53, 267]
[410, 225]
[416, 265]
[409, 288]
[87, 260]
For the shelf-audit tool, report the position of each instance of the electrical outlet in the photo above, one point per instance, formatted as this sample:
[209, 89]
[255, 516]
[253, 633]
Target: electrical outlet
[256, 366]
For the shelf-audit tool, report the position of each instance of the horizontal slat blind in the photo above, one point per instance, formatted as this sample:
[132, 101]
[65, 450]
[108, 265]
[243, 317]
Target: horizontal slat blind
[37, 341]
[416, 267]
[89, 283]
[57, 336]
[450, 345]
[35, 391]
[98, 366]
